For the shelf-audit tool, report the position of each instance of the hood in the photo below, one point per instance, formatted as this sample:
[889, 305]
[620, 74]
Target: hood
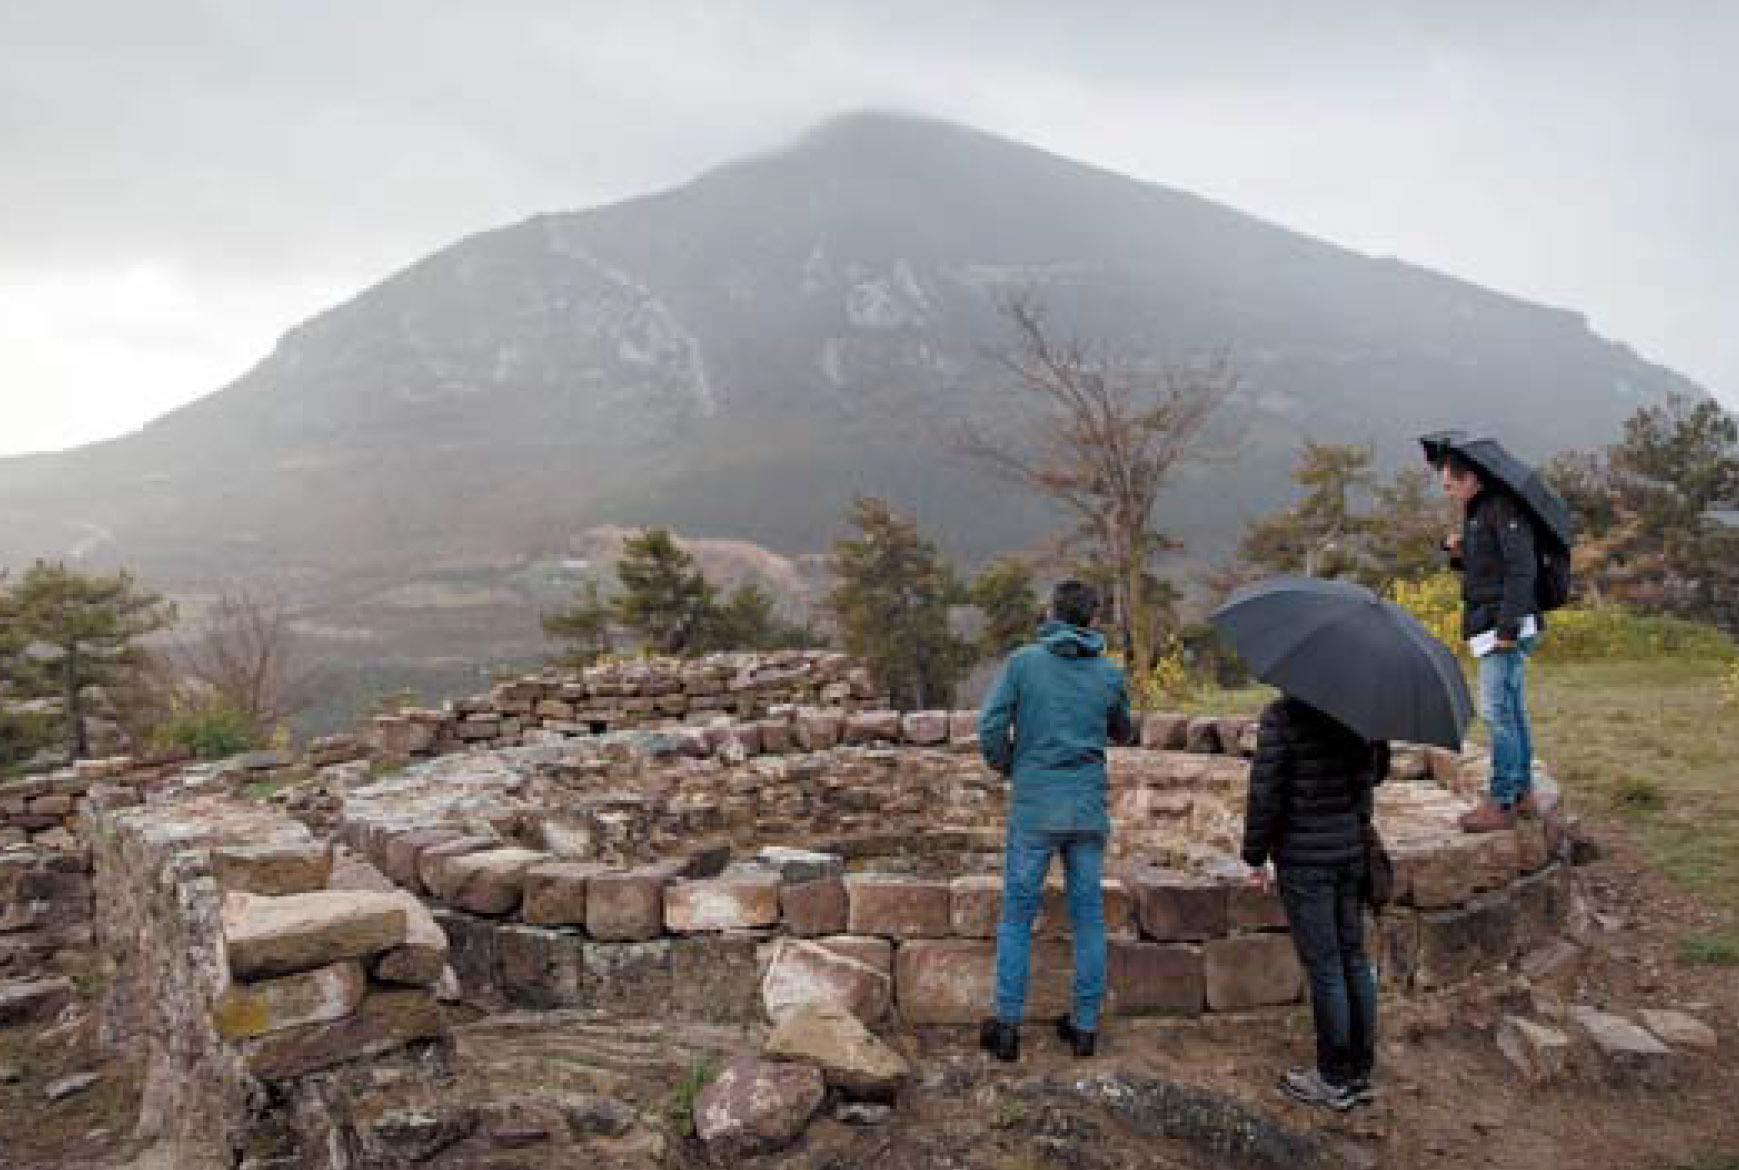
[1067, 641]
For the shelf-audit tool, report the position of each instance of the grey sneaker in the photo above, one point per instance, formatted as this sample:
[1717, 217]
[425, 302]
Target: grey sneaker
[1307, 1087]
[1362, 1091]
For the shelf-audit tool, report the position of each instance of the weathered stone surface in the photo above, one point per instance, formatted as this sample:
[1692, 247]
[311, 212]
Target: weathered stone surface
[302, 932]
[832, 1039]
[432, 858]
[626, 906]
[1145, 978]
[471, 958]
[420, 959]
[27, 1001]
[723, 903]
[1164, 731]
[818, 730]
[65, 1087]
[312, 997]
[1453, 944]
[962, 726]
[273, 869]
[399, 854]
[555, 892]
[825, 972]
[1251, 909]
[898, 907]
[1177, 907]
[953, 981]
[975, 905]
[716, 976]
[385, 1020]
[489, 882]
[538, 966]
[757, 1106]
[631, 978]
[1541, 1054]
[1255, 970]
[1627, 1052]
[925, 727]
[866, 727]
[814, 908]
[1679, 1029]
[352, 871]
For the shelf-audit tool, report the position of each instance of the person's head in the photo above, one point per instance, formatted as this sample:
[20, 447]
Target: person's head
[1075, 602]
[1461, 479]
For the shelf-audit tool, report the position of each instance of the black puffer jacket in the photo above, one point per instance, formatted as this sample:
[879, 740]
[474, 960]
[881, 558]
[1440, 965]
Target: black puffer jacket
[1498, 565]
[1310, 788]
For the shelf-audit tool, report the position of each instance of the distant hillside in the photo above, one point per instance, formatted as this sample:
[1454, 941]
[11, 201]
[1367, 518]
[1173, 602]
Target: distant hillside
[739, 356]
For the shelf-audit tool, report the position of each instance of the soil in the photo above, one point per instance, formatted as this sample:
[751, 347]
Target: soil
[1448, 1096]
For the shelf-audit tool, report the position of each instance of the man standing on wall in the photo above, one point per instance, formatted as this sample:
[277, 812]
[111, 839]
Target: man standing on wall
[1045, 725]
[1496, 555]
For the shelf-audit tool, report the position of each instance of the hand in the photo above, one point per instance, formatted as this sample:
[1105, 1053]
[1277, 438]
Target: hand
[1261, 880]
[1503, 644]
[1452, 542]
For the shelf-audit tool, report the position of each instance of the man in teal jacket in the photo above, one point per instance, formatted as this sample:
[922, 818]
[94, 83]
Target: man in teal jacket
[1045, 725]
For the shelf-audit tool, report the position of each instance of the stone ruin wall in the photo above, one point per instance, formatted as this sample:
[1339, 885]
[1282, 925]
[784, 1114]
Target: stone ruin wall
[265, 959]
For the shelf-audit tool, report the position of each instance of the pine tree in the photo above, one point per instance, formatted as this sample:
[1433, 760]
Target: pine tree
[583, 627]
[665, 598]
[891, 598]
[93, 624]
[748, 620]
[1003, 592]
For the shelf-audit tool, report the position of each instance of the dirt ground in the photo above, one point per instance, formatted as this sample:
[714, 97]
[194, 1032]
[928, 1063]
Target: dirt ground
[1449, 1098]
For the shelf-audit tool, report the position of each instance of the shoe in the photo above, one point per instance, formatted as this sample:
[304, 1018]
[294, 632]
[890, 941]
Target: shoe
[1489, 817]
[1308, 1087]
[1362, 1091]
[1000, 1040]
[1083, 1043]
[1528, 808]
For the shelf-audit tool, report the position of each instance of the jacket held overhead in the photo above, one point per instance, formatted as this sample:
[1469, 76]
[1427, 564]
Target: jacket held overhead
[1045, 725]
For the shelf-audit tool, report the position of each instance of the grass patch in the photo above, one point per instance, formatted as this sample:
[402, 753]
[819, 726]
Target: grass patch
[1638, 794]
[1710, 950]
[679, 1110]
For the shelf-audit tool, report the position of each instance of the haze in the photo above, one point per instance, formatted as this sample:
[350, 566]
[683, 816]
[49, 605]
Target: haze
[183, 182]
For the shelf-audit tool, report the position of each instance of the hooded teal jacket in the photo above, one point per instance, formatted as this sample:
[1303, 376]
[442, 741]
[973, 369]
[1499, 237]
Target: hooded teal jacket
[1045, 725]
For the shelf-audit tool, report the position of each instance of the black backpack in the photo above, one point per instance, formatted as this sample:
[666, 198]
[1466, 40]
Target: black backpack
[1552, 577]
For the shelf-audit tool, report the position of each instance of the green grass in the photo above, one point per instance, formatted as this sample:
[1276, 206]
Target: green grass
[679, 1109]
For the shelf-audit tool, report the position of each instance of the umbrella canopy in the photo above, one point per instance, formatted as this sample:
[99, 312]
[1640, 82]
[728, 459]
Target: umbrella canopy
[1347, 652]
[1551, 514]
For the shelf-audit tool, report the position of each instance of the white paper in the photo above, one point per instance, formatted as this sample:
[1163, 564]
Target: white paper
[1483, 644]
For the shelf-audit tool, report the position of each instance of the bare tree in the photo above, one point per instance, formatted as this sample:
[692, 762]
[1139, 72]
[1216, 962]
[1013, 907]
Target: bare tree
[243, 655]
[1102, 436]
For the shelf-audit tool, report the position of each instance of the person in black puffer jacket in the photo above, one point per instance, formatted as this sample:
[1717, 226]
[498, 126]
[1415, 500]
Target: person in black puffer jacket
[1309, 806]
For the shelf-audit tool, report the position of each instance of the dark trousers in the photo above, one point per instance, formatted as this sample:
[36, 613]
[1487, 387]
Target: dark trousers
[1326, 916]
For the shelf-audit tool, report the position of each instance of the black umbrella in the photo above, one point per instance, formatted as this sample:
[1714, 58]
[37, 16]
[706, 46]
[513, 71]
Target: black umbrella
[1347, 652]
[1547, 507]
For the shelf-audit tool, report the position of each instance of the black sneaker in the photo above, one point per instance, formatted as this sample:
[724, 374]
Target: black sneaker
[1083, 1043]
[1000, 1040]
[1308, 1087]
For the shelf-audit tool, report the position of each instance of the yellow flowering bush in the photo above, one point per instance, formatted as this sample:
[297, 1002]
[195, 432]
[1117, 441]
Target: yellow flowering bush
[1730, 690]
[1436, 602]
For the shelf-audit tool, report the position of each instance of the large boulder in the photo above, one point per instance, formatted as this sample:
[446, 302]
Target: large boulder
[849, 1056]
[302, 932]
[757, 1106]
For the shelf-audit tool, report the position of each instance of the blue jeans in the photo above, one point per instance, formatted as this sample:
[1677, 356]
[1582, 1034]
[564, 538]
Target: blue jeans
[1326, 917]
[1505, 711]
[1025, 862]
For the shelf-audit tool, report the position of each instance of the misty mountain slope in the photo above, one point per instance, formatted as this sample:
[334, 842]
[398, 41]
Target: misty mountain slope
[740, 355]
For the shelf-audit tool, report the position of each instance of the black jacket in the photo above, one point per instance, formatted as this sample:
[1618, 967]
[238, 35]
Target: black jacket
[1498, 566]
[1310, 788]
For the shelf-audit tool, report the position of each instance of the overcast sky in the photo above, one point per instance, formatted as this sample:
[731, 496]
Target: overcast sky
[181, 182]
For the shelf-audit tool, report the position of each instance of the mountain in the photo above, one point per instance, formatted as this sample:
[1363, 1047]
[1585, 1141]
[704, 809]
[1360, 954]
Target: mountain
[739, 356]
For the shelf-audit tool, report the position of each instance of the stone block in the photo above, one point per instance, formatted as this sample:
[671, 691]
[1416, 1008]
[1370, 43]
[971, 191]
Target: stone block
[1178, 907]
[32, 1000]
[1540, 1053]
[716, 977]
[1627, 1053]
[898, 907]
[877, 953]
[1251, 971]
[722, 903]
[1453, 944]
[757, 1107]
[925, 728]
[385, 1020]
[471, 952]
[1145, 978]
[1164, 731]
[869, 727]
[1679, 1029]
[246, 1010]
[399, 853]
[814, 908]
[1251, 909]
[420, 959]
[962, 726]
[274, 870]
[803, 972]
[626, 906]
[627, 978]
[555, 892]
[301, 932]
[432, 858]
[817, 731]
[953, 981]
[490, 882]
[850, 1057]
[538, 966]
